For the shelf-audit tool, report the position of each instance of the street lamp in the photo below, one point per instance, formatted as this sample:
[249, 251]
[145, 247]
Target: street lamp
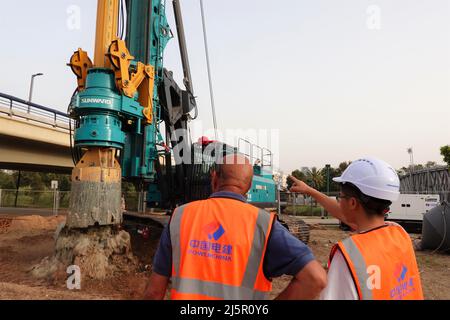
[31, 87]
[327, 167]
[411, 158]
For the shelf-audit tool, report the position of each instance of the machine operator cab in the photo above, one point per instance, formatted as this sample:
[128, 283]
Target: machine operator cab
[205, 153]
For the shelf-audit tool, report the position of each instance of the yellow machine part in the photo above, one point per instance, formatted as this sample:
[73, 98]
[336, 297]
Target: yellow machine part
[107, 22]
[111, 52]
[142, 80]
[80, 64]
[98, 165]
[146, 93]
[121, 59]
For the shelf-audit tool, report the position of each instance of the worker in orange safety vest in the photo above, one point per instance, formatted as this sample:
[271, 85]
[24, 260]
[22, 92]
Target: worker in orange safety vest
[378, 261]
[225, 248]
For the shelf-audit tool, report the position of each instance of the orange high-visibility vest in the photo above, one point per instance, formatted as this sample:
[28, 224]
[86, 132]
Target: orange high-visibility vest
[382, 263]
[218, 248]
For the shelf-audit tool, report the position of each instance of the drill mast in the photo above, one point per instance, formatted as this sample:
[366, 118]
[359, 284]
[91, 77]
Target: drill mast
[121, 101]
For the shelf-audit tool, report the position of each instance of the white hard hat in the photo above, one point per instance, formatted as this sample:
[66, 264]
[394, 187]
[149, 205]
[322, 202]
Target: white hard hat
[373, 177]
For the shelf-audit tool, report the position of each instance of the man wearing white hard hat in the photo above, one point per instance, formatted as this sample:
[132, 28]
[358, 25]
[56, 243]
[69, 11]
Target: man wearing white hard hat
[377, 262]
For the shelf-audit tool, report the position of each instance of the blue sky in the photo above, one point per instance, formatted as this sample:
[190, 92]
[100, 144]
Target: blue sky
[335, 89]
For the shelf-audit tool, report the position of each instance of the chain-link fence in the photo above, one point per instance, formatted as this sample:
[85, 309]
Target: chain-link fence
[54, 199]
[134, 201]
[300, 205]
[290, 203]
[34, 199]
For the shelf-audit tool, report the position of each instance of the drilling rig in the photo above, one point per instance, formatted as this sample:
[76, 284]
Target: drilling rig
[124, 99]
[121, 102]
[131, 124]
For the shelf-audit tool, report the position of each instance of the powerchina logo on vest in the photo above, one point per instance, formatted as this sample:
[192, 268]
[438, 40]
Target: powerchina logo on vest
[211, 248]
[405, 284]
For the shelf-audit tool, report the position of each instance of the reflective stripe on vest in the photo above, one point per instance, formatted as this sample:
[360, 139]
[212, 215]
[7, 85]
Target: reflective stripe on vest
[215, 289]
[382, 263]
[360, 267]
[246, 290]
[175, 230]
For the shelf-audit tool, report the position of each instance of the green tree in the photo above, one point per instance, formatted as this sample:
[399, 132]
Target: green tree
[334, 172]
[27, 179]
[65, 183]
[297, 174]
[342, 166]
[445, 152]
[402, 171]
[128, 187]
[36, 181]
[63, 180]
[430, 164]
[40, 181]
[6, 180]
[315, 177]
[416, 167]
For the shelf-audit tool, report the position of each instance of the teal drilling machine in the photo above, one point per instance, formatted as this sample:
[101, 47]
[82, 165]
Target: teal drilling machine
[124, 100]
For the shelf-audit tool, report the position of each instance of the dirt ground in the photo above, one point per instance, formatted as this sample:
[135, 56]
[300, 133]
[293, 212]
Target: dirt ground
[25, 241]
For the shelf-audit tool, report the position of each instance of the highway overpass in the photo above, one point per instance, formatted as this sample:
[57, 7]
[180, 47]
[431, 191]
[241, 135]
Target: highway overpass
[33, 137]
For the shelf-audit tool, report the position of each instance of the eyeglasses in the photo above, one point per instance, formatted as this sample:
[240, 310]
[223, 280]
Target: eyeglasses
[338, 197]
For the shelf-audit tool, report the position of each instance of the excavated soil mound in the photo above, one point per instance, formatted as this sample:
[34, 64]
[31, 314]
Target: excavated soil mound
[29, 223]
[99, 252]
[5, 224]
[13, 291]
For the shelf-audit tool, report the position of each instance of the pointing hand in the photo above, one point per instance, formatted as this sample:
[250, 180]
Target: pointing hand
[299, 186]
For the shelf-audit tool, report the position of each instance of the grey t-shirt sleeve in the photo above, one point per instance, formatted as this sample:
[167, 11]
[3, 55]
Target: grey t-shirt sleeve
[285, 254]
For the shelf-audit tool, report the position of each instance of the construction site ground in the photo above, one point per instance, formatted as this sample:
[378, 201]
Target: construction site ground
[26, 240]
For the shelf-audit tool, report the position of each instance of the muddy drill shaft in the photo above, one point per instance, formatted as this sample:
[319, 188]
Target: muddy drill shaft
[96, 190]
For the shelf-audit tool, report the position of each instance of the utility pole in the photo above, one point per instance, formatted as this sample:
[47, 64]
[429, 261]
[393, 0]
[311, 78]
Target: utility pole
[17, 189]
[327, 167]
[411, 158]
[280, 177]
[30, 97]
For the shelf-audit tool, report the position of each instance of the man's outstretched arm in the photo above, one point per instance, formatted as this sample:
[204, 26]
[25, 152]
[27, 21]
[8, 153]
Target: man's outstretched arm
[326, 202]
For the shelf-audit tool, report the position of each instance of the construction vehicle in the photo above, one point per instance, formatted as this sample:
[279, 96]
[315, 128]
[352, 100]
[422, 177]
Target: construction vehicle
[131, 120]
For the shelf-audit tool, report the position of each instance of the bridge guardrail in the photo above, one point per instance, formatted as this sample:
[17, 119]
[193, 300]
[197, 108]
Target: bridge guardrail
[19, 108]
